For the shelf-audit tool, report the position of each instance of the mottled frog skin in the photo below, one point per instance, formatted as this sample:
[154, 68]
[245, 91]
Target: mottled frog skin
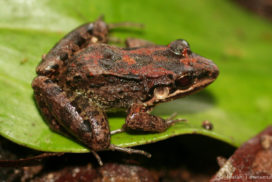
[82, 77]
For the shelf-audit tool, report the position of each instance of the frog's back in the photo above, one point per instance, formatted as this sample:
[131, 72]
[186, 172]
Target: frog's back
[103, 59]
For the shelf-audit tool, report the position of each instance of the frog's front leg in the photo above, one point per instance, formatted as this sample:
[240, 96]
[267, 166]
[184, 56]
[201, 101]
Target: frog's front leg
[139, 119]
[89, 126]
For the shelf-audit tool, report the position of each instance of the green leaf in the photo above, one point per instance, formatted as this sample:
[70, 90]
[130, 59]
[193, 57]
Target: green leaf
[239, 103]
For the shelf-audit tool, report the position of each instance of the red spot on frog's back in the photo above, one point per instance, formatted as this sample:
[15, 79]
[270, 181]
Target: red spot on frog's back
[150, 71]
[188, 61]
[128, 60]
[95, 56]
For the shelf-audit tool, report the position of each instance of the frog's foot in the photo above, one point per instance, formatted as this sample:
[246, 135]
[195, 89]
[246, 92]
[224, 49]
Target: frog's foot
[116, 148]
[129, 150]
[121, 130]
[98, 158]
[171, 120]
[112, 26]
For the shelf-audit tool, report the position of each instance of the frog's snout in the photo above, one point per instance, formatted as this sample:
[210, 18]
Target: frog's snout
[206, 68]
[214, 71]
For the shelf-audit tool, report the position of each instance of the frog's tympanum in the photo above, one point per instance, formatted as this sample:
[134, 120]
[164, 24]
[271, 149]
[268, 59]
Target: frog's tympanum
[82, 77]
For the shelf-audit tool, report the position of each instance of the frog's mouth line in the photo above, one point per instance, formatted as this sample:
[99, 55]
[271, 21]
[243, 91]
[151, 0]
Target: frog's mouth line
[180, 93]
[183, 92]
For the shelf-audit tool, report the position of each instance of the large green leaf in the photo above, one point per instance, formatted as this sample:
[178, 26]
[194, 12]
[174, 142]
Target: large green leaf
[238, 103]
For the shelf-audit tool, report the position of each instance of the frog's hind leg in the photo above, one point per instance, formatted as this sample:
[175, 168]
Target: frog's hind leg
[88, 126]
[88, 123]
[77, 39]
[51, 121]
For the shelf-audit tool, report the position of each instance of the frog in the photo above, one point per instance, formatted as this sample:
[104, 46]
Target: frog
[82, 78]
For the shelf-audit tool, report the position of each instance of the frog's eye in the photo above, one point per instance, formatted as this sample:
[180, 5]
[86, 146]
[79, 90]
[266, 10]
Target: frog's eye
[185, 82]
[180, 47]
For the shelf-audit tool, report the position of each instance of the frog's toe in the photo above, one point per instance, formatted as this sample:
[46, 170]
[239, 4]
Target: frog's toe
[170, 121]
[120, 130]
[129, 150]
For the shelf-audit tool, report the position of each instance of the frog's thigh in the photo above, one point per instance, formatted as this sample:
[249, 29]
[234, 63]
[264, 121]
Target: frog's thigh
[143, 121]
[53, 124]
[84, 128]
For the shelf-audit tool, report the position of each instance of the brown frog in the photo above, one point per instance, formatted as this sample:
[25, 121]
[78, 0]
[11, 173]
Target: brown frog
[82, 77]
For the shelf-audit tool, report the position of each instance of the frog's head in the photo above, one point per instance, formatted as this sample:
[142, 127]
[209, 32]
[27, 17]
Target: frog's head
[191, 73]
